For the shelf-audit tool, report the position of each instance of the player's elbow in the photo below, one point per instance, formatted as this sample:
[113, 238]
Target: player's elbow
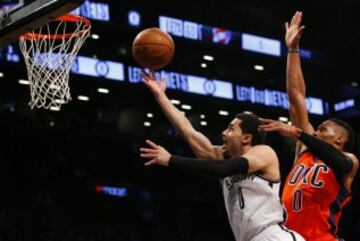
[186, 131]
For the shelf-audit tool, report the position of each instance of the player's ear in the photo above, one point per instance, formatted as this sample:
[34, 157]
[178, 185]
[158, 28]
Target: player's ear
[247, 138]
[340, 140]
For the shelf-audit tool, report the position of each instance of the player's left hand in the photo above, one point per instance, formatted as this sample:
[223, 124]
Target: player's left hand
[157, 154]
[294, 31]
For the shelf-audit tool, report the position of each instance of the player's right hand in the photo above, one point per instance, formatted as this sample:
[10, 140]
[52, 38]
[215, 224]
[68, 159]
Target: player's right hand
[156, 86]
[269, 125]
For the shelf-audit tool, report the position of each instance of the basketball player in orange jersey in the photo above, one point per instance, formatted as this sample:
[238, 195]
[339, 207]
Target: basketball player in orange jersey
[319, 184]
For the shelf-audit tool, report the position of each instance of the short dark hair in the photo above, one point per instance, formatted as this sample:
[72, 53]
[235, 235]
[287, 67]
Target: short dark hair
[349, 143]
[249, 125]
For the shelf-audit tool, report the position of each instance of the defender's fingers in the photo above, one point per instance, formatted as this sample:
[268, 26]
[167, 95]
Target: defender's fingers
[266, 121]
[301, 30]
[298, 18]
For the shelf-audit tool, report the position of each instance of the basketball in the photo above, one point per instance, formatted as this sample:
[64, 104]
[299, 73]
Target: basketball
[153, 48]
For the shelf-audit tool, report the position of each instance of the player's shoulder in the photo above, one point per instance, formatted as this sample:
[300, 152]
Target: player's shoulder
[353, 158]
[265, 151]
[263, 148]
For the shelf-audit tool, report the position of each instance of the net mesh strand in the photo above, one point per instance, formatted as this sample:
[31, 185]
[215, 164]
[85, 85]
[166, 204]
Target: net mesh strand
[49, 60]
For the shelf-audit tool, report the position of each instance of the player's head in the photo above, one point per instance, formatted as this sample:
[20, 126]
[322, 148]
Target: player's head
[242, 131]
[336, 132]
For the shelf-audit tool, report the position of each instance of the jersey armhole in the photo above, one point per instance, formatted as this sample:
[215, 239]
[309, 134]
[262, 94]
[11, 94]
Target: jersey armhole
[298, 156]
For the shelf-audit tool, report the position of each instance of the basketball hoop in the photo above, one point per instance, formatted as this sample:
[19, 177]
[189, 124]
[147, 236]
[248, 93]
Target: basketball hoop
[49, 53]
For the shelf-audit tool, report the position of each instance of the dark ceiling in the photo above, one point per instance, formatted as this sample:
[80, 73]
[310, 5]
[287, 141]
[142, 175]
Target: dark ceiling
[331, 30]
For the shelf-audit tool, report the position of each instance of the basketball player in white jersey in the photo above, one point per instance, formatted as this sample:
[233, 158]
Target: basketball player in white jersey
[250, 178]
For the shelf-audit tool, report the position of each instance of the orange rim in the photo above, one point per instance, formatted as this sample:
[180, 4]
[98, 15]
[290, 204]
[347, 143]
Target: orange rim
[66, 18]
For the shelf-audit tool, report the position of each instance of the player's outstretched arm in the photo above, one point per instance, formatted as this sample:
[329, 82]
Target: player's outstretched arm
[342, 164]
[200, 144]
[295, 83]
[258, 158]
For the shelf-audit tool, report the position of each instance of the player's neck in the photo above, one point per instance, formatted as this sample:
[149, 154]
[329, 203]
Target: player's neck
[241, 151]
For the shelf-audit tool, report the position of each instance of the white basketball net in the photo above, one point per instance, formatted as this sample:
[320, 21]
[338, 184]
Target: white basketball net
[49, 53]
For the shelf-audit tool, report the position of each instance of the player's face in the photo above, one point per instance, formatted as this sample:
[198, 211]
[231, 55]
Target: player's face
[330, 132]
[233, 137]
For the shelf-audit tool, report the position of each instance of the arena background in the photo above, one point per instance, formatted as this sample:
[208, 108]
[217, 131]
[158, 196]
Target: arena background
[76, 174]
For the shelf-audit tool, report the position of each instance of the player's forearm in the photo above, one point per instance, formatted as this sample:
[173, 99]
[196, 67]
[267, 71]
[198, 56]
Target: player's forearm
[325, 152]
[295, 86]
[210, 168]
[176, 118]
[295, 83]
[200, 145]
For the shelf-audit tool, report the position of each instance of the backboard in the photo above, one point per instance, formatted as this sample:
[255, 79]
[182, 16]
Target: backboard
[19, 17]
[8, 5]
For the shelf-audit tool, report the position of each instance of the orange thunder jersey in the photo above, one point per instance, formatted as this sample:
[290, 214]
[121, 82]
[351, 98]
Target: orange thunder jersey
[313, 199]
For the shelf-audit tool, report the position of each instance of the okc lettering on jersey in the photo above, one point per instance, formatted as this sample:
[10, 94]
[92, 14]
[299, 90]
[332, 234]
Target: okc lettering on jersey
[230, 181]
[308, 175]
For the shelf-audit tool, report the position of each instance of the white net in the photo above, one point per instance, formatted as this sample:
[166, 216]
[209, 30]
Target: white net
[49, 53]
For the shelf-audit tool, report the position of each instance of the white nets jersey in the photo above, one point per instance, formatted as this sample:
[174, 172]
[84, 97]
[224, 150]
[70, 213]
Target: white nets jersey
[253, 205]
